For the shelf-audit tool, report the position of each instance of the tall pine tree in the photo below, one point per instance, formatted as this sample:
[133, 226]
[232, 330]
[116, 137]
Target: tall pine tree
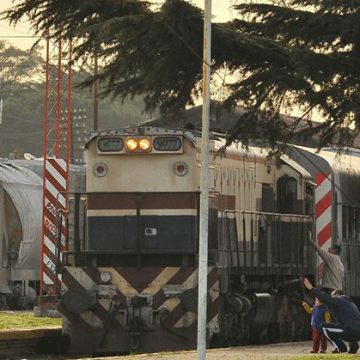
[321, 63]
[281, 55]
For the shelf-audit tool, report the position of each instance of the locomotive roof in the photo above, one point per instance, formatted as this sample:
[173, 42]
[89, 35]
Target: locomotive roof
[338, 160]
[262, 152]
[193, 135]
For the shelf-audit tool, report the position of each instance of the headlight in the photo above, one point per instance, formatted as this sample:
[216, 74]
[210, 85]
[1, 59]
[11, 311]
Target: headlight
[131, 144]
[145, 144]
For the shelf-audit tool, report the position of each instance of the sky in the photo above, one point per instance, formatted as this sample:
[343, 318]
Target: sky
[19, 36]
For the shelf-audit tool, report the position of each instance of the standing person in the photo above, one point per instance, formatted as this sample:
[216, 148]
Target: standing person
[333, 277]
[347, 315]
[319, 314]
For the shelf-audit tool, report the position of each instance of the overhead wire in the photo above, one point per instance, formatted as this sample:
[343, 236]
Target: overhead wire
[23, 120]
[20, 36]
[21, 66]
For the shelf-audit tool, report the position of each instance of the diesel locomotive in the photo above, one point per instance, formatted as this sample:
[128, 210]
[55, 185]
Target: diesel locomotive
[128, 260]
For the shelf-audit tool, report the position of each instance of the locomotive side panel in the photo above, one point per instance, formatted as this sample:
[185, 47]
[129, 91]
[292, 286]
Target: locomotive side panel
[262, 227]
[246, 228]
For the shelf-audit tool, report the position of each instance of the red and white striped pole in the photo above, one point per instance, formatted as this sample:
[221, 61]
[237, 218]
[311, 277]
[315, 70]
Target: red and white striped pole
[323, 208]
[56, 166]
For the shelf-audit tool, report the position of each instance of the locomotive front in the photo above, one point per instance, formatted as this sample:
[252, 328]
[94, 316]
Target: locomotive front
[129, 276]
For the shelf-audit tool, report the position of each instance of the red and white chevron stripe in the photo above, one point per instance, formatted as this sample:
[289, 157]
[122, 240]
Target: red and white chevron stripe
[323, 200]
[55, 186]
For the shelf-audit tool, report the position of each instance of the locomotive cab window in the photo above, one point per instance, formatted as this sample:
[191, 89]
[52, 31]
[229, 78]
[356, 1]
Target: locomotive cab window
[287, 195]
[309, 200]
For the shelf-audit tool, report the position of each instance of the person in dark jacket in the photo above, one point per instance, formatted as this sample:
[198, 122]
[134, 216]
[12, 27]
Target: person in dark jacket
[347, 315]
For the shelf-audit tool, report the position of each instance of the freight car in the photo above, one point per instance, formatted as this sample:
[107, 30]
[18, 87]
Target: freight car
[21, 187]
[20, 232]
[129, 272]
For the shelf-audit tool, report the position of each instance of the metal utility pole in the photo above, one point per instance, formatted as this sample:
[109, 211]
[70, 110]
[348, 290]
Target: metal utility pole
[95, 89]
[204, 188]
[1, 104]
[58, 99]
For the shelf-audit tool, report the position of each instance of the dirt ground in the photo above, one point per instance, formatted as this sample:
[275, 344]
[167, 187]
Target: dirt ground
[271, 352]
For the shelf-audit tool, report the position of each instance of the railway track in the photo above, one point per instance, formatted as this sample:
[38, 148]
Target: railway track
[49, 343]
[16, 342]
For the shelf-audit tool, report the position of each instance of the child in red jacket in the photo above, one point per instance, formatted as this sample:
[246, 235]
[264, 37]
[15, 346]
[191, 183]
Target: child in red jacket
[319, 314]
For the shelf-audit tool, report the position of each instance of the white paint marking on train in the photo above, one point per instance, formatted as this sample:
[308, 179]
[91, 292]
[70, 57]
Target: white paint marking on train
[111, 212]
[162, 279]
[82, 278]
[186, 320]
[123, 285]
[91, 319]
[169, 212]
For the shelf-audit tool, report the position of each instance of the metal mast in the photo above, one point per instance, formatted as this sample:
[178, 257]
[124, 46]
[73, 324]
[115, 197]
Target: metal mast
[58, 84]
[204, 187]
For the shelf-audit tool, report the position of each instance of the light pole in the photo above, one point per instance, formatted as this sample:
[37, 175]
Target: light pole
[1, 104]
[204, 187]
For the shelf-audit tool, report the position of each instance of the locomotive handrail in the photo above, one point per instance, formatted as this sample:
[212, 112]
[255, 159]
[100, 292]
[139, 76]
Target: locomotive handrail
[274, 240]
[266, 213]
[124, 251]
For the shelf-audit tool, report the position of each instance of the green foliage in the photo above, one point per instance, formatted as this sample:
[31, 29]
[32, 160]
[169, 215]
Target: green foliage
[71, 17]
[23, 92]
[323, 357]
[322, 40]
[27, 64]
[280, 56]
[25, 320]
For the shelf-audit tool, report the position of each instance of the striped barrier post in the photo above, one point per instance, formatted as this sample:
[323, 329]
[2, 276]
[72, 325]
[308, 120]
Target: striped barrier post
[323, 208]
[55, 187]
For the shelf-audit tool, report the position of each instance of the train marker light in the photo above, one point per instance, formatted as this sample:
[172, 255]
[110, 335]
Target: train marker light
[145, 144]
[131, 144]
[100, 169]
[181, 168]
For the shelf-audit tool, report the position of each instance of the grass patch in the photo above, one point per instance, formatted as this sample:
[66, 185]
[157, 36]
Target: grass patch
[25, 320]
[328, 356]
